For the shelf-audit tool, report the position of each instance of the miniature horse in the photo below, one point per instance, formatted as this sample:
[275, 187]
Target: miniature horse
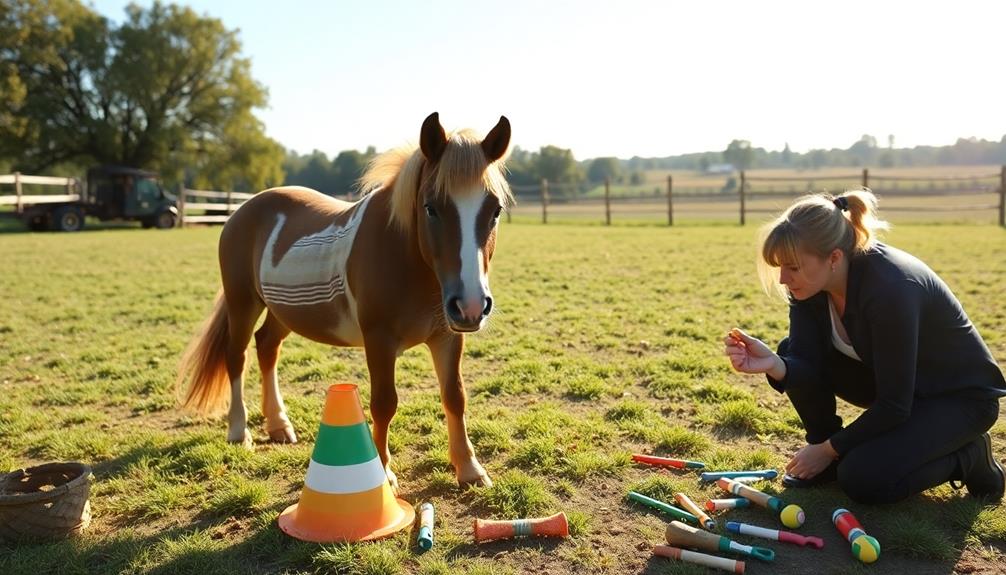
[405, 265]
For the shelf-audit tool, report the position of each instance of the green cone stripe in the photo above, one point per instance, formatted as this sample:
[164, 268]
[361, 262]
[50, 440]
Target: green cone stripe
[344, 445]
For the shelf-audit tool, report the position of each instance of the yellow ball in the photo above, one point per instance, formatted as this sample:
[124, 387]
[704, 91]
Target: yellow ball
[866, 548]
[792, 516]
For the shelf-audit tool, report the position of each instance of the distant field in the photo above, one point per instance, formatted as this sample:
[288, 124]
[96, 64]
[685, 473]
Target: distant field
[690, 181]
[605, 341]
[699, 198]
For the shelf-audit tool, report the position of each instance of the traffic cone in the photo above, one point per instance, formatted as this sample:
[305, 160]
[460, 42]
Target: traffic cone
[346, 494]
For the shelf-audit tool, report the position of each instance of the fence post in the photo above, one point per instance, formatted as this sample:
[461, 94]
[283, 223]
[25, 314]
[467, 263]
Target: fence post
[743, 185]
[181, 205]
[544, 200]
[17, 189]
[229, 212]
[508, 213]
[670, 201]
[866, 178]
[1002, 197]
[607, 202]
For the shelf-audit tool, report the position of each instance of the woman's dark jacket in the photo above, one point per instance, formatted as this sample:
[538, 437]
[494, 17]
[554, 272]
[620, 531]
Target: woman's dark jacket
[909, 330]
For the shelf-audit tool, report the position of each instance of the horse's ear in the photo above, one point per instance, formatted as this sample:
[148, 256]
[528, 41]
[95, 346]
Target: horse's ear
[432, 139]
[495, 144]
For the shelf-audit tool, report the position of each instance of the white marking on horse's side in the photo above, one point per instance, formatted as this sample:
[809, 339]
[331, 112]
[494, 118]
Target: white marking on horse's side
[473, 276]
[313, 270]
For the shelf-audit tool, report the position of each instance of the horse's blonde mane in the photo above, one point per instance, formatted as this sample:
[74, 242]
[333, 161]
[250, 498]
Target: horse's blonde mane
[462, 166]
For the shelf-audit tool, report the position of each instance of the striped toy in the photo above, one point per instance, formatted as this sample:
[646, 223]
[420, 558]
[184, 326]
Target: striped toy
[551, 526]
[346, 494]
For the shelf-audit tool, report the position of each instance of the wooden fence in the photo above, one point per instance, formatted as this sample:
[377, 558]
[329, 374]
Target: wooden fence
[19, 199]
[207, 207]
[913, 196]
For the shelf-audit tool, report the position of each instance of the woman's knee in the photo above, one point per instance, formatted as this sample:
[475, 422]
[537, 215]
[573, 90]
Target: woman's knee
[865, 482]
[783, 346]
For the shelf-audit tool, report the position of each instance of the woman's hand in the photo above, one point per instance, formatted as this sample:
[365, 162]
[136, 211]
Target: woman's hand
[811, 460]
[750, 355]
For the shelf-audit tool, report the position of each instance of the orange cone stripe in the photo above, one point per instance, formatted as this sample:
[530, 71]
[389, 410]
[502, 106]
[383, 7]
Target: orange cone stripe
[342, 406]
[341, 505]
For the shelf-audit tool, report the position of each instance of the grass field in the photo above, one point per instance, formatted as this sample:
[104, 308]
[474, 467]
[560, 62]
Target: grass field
[911, 194]
[692, 181]
[605, 341]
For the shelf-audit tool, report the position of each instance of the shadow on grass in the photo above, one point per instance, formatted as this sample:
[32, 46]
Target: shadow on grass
[198, 547]
[11, 225]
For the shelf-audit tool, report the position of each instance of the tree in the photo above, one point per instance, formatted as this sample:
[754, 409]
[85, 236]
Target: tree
[739, 153]
[604, 168]
[167, 90]
[787, 155]
[817, 158]
[315, 172]
[347, 168]
[557, 165]
[865, 150]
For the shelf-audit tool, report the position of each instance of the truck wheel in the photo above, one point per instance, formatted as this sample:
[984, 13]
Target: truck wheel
[165, 220]
[68, 219]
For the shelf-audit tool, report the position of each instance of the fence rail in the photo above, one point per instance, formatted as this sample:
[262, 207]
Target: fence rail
[210, 210]
[970, 195]
[19, 199]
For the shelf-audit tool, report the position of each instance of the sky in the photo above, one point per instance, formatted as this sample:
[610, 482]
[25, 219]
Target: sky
[622, 77]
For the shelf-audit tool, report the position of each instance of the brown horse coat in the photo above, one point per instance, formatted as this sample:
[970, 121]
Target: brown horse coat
[405, 265]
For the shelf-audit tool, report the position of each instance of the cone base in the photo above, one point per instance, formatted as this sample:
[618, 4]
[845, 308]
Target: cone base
[338, 533]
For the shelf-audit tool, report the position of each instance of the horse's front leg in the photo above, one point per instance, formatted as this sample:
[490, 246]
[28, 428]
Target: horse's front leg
[382, 353]
[446, 350]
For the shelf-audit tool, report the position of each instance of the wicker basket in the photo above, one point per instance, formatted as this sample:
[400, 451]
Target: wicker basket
[49, 501]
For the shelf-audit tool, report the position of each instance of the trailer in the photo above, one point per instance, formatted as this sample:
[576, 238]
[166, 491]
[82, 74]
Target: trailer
[110, 193]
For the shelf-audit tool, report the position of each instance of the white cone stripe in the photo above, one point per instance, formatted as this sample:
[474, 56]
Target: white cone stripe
[344, 479]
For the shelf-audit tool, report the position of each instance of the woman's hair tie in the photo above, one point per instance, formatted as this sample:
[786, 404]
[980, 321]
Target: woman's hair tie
[841, 203]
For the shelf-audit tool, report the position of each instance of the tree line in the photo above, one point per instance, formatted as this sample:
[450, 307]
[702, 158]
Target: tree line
[170, 91]
[865, 152]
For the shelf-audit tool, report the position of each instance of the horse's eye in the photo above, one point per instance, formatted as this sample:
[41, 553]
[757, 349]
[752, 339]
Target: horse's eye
[496, 215]
[430, 211]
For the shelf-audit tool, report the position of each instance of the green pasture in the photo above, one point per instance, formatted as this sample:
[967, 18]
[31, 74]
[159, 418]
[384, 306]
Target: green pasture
[605, 341]
[798, 181]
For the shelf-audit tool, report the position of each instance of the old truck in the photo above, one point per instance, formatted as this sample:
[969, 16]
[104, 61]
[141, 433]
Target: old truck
[110, 193]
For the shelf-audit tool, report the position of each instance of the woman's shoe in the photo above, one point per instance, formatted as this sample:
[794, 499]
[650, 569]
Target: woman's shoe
[986, 477]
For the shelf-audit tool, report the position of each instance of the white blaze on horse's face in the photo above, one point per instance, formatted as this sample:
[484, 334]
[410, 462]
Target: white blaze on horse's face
[460, 236]
[475, 298]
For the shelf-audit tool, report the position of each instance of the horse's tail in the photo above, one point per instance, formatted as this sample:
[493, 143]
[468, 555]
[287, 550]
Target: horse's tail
[204, 364]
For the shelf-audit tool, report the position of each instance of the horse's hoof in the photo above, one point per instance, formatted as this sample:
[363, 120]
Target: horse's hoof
[244, 441]
[476, 481]
[283, 435]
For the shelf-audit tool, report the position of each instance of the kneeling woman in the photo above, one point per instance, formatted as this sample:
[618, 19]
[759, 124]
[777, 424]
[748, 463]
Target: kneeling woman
[876, 327]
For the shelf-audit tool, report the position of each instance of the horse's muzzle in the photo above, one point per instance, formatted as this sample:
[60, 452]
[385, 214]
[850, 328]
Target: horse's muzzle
[467, 315]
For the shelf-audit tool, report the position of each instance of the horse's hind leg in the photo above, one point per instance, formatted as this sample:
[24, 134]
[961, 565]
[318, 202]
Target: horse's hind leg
[446, 351]
[243, 310]
[268, 339]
